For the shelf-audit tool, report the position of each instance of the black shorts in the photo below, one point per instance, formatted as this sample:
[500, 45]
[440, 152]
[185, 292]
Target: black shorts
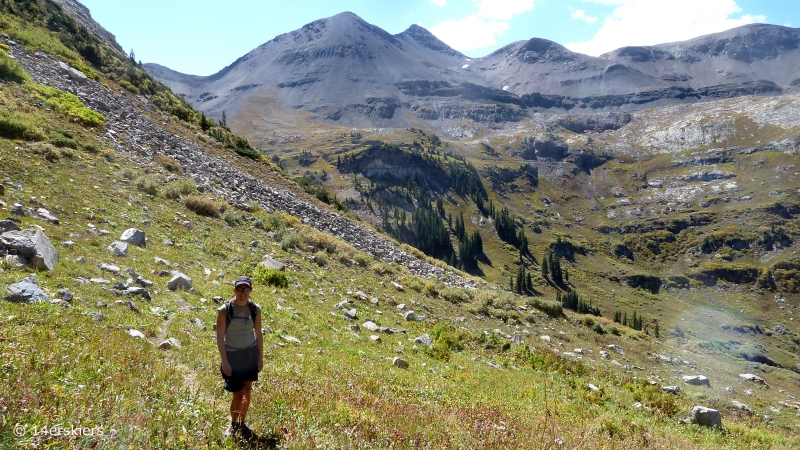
[244, 367]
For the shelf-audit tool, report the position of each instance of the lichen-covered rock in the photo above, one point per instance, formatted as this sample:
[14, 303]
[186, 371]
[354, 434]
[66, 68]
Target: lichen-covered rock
[25, 291]
[134, 236]
[32, 244]
[706, 417]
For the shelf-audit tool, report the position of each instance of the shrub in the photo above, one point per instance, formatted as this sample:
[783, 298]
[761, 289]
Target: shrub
[445, 340]
[65, 103]
[148, 184]
[168, 163]
[288, 241]
[49, 151]
[180, 187]
[11, 70]
[598, 328]
[270, 277]
[59, 139]
[321, 259]
[322, 241]
[201, 205]
[588, 320]
[613, 330]
[549, 307]
[456, 296]
[12, 127]
[232, 218]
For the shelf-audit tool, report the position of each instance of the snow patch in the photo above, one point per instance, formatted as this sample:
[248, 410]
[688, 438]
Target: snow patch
[505, 88]
[465, 66]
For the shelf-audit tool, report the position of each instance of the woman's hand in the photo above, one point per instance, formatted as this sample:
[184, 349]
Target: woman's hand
[226, 369]
[260, 363]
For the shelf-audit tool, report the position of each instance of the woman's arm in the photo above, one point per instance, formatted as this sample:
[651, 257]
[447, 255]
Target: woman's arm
[259, 340]
[222, 320]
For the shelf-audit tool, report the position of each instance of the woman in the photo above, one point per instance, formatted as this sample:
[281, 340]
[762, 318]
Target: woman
[241, 346]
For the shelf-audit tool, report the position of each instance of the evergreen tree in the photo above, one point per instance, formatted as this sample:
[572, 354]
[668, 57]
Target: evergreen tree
[656, 330]
[545, 268]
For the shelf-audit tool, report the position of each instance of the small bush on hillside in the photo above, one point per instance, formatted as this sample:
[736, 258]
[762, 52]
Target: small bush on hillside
[613, 330]
[232, 218]
[148, 184]
[180, 187]
[11, 70]
[588, 320]
[551, 308]
[456, 296]
[50, 151]
[65, 103]
[445, 341]
[323, 241]
[289, 241]
[321, 259]
[13, 127]
[270, 277]
[168, 163]
[598, 328]
[60, 139]
[201, 205]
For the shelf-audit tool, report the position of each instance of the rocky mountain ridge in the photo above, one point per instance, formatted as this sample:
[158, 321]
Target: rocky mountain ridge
[362, 76]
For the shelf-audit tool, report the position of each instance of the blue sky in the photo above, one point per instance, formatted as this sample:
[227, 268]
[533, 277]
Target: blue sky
[200, 37]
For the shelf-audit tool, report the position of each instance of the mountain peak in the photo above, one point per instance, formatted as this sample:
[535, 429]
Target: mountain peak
[426, 38]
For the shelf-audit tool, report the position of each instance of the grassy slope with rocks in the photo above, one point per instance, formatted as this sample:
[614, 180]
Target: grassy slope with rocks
[488, 380]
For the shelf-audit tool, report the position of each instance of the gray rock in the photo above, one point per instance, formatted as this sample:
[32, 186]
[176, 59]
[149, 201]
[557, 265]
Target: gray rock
[65, 294]
[118, 248]
[696, 380]
[753, 378]
[17, 260]
[99, 281]
[169, 344]
[355, 328]
[494, 365]
[671, 389]
[706, 417]
[638, 405]
[616, 348]
[25, 291]
[134, 237]
[179, 281]
[516, 339]
[400, 363]
[371, 326]
[135, 290]
[410, 316]
[32, 244]
[110, 268]
[18, 210]
[271, 263]
[46, 215]
[158, 260]
[198, 323]
[80, 260]
[375, 338]
[68, 244]
[120, 285]
[136, 333]
[8, 225]
[424, 339]
[291, 339]
[351, 314]
[97, 316]
[741, 406]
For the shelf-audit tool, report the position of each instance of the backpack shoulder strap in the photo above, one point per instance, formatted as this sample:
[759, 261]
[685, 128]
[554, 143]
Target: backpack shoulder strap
[253, 310]
[228, 314]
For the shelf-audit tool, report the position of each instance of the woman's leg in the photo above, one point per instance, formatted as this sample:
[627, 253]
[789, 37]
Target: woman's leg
[245, 399]
[236, 407]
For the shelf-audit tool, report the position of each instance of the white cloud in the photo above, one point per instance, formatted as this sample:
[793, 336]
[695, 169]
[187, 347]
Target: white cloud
[581, 14]
[439, 3]
[469, 33]
[480, 30]
[647, 22]
[503, 9]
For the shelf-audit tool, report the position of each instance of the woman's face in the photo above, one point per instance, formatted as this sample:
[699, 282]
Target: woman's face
[242, 292]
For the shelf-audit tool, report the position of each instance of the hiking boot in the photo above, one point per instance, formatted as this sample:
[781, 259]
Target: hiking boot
[233, 429]
[244, 431]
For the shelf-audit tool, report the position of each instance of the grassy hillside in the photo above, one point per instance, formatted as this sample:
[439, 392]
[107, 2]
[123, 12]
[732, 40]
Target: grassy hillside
[503, 370]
